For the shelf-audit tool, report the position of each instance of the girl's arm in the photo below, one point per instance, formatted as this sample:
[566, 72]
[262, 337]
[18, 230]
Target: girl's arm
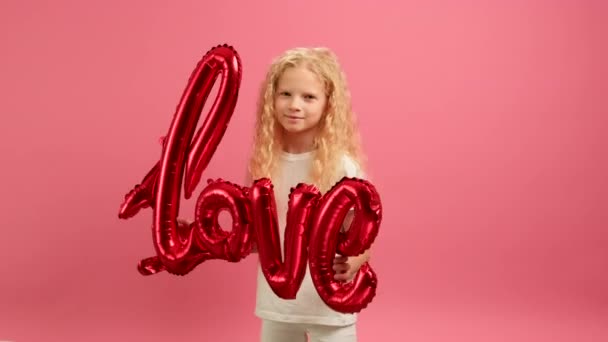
[348, 220]
[347, 267]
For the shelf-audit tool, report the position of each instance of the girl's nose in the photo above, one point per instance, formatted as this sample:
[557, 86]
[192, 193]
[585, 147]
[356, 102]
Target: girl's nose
[294, 104]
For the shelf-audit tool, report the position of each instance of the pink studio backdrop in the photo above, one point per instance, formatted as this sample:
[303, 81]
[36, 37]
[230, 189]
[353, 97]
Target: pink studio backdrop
[484, 124]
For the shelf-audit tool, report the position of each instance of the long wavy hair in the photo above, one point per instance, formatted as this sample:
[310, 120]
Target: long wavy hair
[338, 132]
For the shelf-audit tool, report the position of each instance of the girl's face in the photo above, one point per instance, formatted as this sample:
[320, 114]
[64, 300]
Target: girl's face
[299, 101]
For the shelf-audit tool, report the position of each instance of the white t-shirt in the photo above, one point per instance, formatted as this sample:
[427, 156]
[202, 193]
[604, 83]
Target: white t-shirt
[307, 307]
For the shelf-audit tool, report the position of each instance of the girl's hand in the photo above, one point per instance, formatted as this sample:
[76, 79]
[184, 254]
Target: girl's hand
[347, 267]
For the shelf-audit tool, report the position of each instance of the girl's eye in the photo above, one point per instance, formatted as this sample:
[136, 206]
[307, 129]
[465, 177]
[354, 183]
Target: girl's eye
[285, 93]
[309, 97]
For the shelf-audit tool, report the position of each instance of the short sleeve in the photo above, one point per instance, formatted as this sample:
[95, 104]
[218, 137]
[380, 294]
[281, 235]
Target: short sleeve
[351, 168]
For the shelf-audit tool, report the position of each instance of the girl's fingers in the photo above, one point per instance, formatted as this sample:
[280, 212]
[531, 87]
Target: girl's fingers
[346, 276]
[340, 259]
[341, 268]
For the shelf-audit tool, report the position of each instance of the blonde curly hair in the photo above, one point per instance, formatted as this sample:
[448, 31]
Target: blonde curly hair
[338, 133]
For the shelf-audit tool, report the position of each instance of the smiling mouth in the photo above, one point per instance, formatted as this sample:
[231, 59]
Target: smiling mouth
[293, 117]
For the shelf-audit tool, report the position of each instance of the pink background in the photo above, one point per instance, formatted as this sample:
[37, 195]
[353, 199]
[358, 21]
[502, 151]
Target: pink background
[484, 123]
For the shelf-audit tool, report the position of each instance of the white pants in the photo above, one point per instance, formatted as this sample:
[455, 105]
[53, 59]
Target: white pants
[273, 331]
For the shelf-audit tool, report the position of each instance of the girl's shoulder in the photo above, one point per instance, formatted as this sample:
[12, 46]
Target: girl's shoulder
[351, 167]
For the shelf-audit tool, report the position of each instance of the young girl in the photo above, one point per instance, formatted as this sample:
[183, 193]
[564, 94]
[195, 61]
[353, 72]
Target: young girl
[305, 133]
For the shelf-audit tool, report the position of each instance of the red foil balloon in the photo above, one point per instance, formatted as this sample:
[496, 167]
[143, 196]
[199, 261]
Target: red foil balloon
[229, 245]
[176, 250]
[284, 277]
[326, 240]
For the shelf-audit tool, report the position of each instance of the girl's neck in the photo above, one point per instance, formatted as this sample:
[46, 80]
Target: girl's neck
[298, 143]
